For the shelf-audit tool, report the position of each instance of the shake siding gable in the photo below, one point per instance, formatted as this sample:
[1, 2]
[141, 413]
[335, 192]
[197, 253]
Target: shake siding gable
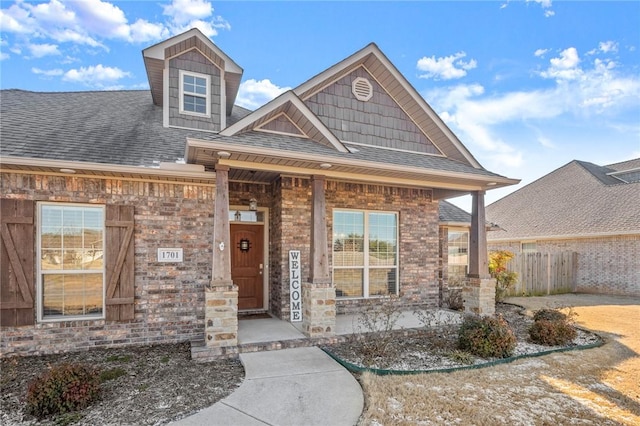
[379, 121]
[194, 61]
[17, 260]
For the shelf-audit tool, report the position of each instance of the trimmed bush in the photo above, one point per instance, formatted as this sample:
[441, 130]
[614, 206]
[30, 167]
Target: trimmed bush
[486, 337]
[64, 388]
[552, 333]
[549, 315]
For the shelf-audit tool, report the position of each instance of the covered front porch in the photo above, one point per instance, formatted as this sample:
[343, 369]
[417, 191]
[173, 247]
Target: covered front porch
[295, 204]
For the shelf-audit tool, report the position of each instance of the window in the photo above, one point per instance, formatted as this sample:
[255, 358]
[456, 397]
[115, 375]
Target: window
[530, 247]
[365, 253]
[194, 93]
[71, 261]
[458, 243]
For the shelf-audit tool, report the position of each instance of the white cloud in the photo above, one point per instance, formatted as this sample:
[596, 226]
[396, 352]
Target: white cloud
[95, 76]
[546, 6]
[15, 19]
[185, 11]
[53, 12]
[3, 56]
[94, 22]
[581, 91]
[564, 67]
[608, 46]
[48, 73]
[446, 68]
[255, 93]
[143, 31]
[41, 50]
[540, 52]
[102, 18]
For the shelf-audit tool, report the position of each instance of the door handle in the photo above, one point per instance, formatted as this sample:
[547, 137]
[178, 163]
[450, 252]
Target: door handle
[260, 269]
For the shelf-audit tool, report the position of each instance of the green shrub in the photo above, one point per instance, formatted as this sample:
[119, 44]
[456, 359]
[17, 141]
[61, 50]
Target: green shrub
[64, 388]
[549, 315]
[552, 333]
[486, 337]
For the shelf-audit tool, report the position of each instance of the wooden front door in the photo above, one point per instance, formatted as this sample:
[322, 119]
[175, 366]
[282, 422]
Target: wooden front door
[247, 257]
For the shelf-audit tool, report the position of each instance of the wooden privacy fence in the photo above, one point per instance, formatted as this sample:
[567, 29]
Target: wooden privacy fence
[544, 273]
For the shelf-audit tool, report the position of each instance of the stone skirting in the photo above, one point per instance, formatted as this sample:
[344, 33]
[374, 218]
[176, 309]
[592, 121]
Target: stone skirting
[319, 305]
[479, 296]
[221, 316]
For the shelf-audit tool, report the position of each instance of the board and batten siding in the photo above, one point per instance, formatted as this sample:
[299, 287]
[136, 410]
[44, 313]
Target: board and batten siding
[193, 61]
[378, 121]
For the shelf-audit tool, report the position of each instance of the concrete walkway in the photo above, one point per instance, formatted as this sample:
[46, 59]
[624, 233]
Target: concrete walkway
[301, 386]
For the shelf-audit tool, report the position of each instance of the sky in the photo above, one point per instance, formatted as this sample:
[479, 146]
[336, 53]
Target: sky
[527, 86]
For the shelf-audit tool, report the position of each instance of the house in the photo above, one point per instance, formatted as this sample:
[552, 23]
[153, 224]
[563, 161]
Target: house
[136, 217]
[584, 208]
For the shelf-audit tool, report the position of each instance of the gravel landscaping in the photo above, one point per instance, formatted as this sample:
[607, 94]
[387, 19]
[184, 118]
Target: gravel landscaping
[158, 384]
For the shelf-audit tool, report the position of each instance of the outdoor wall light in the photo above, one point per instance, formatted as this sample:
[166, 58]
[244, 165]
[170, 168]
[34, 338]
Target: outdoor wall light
[253, 204]
[224, 154]
[70, 171]
[325, 166]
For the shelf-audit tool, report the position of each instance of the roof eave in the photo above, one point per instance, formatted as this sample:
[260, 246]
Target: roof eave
[421, 176]
[87, 169]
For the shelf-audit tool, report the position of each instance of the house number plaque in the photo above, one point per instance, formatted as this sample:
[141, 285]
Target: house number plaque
[170, 255]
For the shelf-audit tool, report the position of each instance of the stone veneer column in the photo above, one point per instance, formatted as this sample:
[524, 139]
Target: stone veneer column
[318, 294]
[480, 289]
[221, 298]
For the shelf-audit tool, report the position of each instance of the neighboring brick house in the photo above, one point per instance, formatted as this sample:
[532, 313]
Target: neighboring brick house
[137, 217]
[584, 208]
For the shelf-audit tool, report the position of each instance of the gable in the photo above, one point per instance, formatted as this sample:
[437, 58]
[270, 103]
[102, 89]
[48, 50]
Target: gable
[281, 123]
[378, 121]
[301, 121]
[194, 61]
[400, 90]
[157, 56]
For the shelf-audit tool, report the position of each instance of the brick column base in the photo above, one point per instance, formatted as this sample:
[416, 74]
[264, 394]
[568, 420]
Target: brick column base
[319, 310]
[479, 296]
[221, 316]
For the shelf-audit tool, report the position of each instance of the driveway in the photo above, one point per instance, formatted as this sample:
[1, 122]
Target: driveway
[597, 386]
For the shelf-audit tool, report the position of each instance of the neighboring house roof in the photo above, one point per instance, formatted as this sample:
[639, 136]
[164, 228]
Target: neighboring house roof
[578, 199]
[451, 214]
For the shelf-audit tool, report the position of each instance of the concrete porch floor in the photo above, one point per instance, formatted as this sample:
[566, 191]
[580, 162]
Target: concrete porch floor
[253, 331]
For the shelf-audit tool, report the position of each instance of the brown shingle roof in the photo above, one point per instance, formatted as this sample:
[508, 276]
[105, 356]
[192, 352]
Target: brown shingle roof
[579, 198]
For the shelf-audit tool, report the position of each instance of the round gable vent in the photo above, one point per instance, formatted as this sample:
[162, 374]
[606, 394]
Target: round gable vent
[362, 89]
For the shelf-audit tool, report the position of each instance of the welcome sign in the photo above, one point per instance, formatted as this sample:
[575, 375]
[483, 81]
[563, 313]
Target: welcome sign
[295, 288]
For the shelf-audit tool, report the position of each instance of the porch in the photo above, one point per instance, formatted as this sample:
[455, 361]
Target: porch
[267, 333]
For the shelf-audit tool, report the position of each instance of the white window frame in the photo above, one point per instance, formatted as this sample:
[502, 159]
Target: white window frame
[459, 231]
[366, 267]
[40, 272]
[183, 92]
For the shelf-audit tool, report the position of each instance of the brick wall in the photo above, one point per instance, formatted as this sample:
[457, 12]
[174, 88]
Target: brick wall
[418, 236]
[169, 297]
[608, 265]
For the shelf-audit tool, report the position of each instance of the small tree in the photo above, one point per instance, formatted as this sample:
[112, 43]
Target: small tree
[498, 270]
